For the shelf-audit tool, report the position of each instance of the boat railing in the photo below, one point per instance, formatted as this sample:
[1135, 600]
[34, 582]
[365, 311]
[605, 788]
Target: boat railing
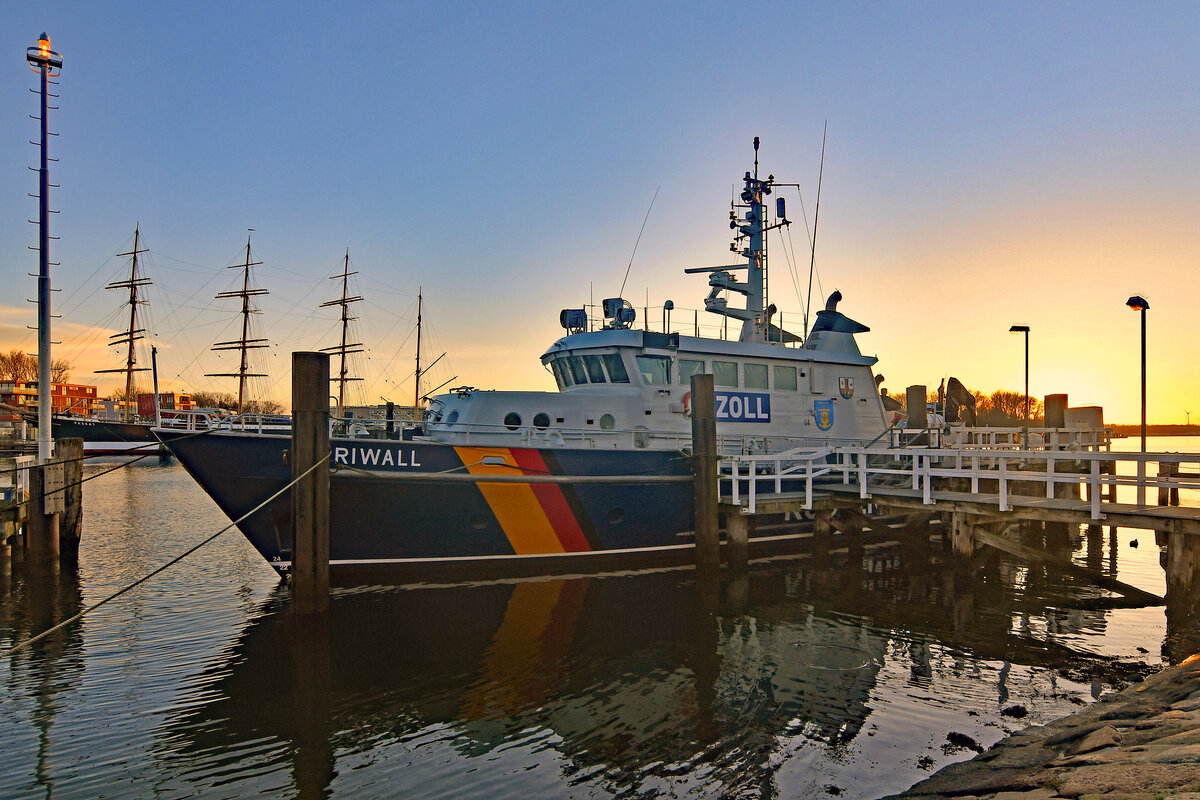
[690, 322]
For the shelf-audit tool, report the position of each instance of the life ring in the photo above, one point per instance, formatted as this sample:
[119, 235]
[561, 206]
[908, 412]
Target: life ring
[687, 404]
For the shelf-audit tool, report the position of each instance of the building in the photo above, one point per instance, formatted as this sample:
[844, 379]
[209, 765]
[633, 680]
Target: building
[168, 401]
[65, 398]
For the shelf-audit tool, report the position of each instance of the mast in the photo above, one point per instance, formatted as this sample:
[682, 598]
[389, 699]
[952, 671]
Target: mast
[345, 347]
[417, 375]
[245, 344]
[134, 333]
[750, 242]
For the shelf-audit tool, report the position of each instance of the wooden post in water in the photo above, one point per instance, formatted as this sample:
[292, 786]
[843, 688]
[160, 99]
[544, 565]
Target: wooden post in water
[310, 496]
[704, 470]
[45, 496]
[70, 525]
[737, 541]
[962, 535]
[1168, 496]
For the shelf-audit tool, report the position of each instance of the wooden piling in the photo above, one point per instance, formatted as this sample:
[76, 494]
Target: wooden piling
[737, 541]
[41, 539]
[962, 535]
[1168, 496]
[704, 469]
[915, 398]
[1055, 410]
[310, 496]
[70, 525]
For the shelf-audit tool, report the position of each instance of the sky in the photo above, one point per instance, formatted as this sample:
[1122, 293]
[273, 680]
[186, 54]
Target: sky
[986, 164]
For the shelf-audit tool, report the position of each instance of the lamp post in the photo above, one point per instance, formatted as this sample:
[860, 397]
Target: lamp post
[1025, 330]
[1139, 303]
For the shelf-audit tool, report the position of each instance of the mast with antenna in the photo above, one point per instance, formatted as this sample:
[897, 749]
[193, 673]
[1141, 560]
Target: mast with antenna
[346, 347]
[134, 333]
[812, 260]
[245, 343]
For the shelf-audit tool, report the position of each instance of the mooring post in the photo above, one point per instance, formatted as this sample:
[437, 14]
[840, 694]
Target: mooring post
[1056, 415]
[962, 535]
[1167, 495]
[70, 525]
[737, 541]
[390, 416]
[915, 398]
[310, 496]
[45, 494]
[704, 469]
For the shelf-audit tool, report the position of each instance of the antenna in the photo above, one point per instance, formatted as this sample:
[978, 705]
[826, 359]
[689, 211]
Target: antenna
[816, 218]
[639, 239]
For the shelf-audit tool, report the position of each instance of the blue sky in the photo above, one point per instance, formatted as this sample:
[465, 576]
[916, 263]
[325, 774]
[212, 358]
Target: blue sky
[987, 164]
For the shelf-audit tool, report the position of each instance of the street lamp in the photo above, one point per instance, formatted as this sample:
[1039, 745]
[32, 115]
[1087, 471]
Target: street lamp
[1025, 330]
[1139, 303]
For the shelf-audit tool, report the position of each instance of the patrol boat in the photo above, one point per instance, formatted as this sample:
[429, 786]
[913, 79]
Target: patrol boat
[597, 471]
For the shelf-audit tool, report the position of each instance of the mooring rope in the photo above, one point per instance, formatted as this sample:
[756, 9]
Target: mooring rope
[170, 563]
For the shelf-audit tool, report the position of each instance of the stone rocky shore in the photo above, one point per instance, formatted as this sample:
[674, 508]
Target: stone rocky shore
[1139, 744]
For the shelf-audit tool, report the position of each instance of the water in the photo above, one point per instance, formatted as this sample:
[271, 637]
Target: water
[803, 680]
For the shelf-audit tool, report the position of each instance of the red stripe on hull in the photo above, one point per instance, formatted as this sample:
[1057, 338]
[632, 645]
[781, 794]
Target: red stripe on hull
[550, 496]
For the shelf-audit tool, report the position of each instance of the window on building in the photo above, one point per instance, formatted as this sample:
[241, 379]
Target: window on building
[756, 376]
[725, 373]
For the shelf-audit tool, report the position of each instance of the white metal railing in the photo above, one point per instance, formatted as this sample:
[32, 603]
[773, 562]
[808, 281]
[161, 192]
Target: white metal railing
[753, 476]
[963, 437]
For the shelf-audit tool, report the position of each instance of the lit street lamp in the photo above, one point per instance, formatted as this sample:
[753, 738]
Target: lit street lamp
[1139, 303]
[1025, 330]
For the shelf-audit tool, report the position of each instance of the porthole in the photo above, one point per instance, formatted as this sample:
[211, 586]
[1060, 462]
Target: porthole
[616, 516]
[512, 420]
[607, 422]
[541, 421]
[452, 417]
[478, 523]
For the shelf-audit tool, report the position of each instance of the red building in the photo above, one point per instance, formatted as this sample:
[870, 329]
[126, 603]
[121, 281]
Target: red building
[169, 401]
[65, 398]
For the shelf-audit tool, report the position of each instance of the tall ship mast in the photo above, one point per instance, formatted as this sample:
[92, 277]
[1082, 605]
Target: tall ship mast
[134, 333]
[245, 344]
[346, 347]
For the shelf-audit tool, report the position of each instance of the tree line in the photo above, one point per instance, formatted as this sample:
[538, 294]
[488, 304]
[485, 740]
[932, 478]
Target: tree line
[19, 366]
[999, 409]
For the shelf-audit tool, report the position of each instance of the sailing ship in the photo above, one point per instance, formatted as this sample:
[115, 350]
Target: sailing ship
[596, 471]
[130, 431]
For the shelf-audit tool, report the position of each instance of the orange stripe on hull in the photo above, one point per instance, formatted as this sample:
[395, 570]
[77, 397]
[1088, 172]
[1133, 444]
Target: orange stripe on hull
[516, 506]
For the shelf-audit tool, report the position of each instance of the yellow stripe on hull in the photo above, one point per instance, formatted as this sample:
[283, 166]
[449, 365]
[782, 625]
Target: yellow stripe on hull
[517, 509]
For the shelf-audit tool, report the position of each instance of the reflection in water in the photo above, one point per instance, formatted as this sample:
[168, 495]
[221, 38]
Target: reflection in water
[836, 673]
[626, 683]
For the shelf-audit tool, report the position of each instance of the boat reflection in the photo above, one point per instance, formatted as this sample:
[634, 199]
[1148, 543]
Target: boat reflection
[628, 676]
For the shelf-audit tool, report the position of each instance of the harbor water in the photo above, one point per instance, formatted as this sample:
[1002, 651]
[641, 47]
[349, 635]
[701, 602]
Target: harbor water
[851, 676]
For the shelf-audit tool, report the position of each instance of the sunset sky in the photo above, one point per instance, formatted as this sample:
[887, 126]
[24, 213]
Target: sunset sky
[988, 164]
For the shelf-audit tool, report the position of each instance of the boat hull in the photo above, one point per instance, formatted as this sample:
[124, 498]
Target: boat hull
[105, 438]
[398, 503]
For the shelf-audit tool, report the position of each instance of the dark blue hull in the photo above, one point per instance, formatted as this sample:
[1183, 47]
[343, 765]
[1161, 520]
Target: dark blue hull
[396, 502]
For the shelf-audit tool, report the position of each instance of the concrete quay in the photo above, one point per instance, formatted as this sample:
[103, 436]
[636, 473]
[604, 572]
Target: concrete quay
[1139, 744]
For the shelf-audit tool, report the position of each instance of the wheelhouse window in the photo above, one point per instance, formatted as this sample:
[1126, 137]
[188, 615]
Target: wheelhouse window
[688, 368]
[562, 374]
[655, 370]
[578, 369]
[785, 379]
[595, 369]
[616, 368]
[725, 373]
[756, 376]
